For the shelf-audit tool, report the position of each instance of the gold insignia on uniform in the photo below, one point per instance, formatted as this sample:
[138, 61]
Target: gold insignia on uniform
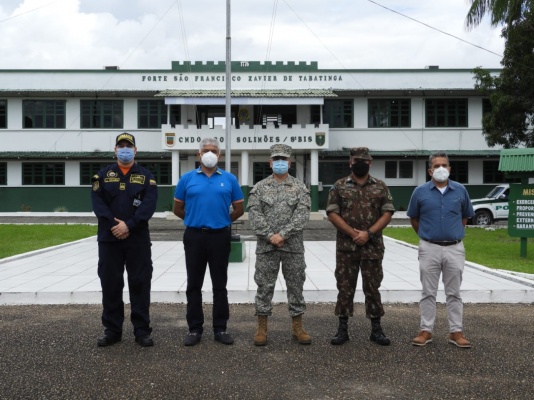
[122, 186]
[153, 182]
[112, 174]
[96, 178]
[96, 185]
[108, 180]
[140, 179]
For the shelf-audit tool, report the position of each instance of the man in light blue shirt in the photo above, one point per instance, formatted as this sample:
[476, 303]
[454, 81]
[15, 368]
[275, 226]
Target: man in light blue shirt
[202, 199]
[438, 212]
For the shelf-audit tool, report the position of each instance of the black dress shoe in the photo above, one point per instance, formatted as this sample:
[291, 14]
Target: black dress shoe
[224, 338]
[192, 338]
[106, 340]
[144, 341]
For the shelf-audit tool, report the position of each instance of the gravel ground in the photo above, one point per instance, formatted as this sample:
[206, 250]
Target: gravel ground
[50, 352]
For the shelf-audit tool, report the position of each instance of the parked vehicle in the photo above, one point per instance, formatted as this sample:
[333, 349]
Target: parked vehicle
[493, 207]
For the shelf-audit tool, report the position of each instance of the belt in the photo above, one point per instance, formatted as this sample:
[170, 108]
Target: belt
[443, 242]
[209, 230]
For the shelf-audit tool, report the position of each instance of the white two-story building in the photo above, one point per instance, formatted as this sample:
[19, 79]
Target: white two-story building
[57, 127]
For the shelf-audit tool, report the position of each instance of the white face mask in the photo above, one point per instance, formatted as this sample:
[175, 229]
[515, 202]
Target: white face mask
[440, 174]
[209, 159]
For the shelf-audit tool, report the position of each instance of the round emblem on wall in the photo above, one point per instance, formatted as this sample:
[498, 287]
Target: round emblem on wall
[243, 114]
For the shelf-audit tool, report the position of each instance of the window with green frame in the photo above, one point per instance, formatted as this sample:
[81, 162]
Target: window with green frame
[45, 173]
[338, 113]
[446, 113]
[399, 169]
[330, 172]
[151, 114]
[162, 171]
[3, 114]
[459, 171]
[90, 169]
[3, 173]
[49, 114]
[491, 173]
[101, 114]
[393, 113]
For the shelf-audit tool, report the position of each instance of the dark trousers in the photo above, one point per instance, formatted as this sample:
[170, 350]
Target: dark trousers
[136, 254]
[202, 249]
[348, 265]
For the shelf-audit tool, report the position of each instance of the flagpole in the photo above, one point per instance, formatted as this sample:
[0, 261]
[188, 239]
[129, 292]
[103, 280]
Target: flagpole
[228, 91]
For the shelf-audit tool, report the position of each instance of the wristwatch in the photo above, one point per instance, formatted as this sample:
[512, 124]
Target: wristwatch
[371, 234]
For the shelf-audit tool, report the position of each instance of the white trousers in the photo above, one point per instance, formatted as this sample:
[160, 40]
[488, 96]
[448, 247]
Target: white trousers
[447, 261]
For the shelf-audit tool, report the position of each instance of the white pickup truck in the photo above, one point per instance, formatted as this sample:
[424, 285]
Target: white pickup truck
[493, 207]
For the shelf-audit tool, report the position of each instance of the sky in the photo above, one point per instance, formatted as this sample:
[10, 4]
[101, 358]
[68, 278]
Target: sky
[338, 34]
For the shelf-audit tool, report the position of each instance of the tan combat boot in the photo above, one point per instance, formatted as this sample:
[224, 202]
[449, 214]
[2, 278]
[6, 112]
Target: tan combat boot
[261, 333]
[298, 331]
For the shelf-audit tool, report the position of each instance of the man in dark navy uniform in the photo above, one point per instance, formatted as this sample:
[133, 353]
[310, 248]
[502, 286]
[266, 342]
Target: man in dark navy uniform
[124, 198]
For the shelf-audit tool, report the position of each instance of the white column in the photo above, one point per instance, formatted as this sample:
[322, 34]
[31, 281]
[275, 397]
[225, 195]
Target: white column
[175, 167]
[314, 161]
[243, 171]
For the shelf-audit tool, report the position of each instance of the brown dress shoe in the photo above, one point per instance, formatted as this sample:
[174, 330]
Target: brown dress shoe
[423, 338]
[458, 339]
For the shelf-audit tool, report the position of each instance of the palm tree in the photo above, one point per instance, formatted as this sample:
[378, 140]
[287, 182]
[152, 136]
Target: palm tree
[500, 11]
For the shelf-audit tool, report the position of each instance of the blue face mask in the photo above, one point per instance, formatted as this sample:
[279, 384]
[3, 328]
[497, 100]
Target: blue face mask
[125, 154]
[280, 167]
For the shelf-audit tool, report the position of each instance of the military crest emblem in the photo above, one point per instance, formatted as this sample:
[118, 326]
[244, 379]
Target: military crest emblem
[320, 138]
[170, 139]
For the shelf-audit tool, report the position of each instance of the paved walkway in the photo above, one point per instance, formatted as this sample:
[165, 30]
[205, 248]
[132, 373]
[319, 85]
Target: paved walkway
[67, 274]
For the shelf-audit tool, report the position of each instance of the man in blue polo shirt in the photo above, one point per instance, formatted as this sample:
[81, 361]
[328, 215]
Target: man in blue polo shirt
[202, 199]
[438, 212]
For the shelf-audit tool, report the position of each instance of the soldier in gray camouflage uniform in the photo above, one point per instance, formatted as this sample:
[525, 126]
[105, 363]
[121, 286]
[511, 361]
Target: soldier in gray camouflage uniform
[279, 209]
[359, 206]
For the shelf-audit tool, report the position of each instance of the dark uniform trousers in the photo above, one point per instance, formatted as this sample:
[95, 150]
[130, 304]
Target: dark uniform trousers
[203, 248]
[348, 265]
[135, 252]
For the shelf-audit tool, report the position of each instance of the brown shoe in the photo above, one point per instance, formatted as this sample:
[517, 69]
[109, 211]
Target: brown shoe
[423, 338]
[458, 339]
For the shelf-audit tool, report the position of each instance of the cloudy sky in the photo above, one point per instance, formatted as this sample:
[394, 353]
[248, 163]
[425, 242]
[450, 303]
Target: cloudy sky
[149, 34]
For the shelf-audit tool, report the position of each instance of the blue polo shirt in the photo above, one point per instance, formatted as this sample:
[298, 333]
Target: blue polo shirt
[440, 215]
[208, 199]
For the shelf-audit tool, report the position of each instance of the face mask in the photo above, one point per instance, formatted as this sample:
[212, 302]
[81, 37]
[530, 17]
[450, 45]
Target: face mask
[209, 159]
[360, 168]
[280, 167]
[440, 174]
[125, 154]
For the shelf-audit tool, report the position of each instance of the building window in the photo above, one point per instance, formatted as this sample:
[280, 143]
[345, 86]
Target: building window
[43, 173]
[3, 173]
[3, 114]
[491, 173]
[101, 114]
[151, 114]
[49, 114]
[90, 169]
[338, 113]
[392, 113]
[459, 171]
[330, 172]
[399, 169]
[162, 171]
[446, 113]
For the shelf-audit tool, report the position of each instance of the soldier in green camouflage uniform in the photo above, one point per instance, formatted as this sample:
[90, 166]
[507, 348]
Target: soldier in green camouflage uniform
[359, 206]
[279, 209]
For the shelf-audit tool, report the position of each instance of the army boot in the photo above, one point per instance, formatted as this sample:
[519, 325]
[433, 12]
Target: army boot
[261, 332]
[298, 331]
[342, 334]
[377, 334]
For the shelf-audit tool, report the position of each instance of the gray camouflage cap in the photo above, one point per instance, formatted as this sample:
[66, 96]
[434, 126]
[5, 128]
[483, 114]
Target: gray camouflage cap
[280, 150]
[360, 152]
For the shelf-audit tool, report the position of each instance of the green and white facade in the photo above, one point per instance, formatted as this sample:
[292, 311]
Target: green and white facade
[57, 127]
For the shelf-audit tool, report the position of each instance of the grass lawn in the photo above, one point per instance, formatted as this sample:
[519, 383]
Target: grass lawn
[493, 249]
[17, 239]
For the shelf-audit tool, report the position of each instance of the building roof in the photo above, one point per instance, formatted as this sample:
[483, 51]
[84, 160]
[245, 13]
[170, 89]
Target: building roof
[517, 160]
[93, 93]
[64, 155]
[249, 93]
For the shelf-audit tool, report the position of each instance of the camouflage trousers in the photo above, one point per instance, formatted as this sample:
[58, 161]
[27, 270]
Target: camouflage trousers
[347, 267]
[293, 269]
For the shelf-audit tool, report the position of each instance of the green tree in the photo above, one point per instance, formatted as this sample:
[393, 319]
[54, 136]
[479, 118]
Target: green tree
[511, 94]
[500, 11]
